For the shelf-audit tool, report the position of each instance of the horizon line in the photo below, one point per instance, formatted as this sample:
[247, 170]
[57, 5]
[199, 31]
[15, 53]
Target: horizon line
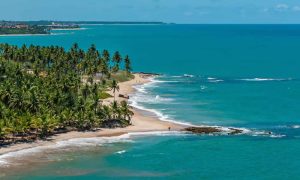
[156, 22]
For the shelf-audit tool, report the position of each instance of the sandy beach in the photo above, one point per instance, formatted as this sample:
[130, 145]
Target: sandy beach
[140, 122]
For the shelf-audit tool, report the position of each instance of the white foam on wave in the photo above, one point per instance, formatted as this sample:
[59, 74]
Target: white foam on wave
[139, 98]
[159, 114]
[265, 134]
[245, 131]
[188, 75]
[95, 141]
[70, 29]
[203, 87]
[5, 159]
[296, 126]
[161, 81]
[58, 34]
[211, 78]
[265, 79]
[216, 80]
[121, 152]
[288, 126]
[143, 96]
[76, 142]
[277, 135]
[158, 133]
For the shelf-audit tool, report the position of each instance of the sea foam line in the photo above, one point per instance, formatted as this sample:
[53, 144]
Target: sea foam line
[142, 89]
[265, 79]
[163, 117]
[75, 142]
[7, 159]
[70, 29]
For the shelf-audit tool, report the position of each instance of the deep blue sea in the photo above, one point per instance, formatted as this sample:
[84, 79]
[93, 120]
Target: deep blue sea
[245, 76]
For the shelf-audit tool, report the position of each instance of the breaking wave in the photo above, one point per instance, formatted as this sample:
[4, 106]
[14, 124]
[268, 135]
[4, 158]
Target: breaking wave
[265, 79]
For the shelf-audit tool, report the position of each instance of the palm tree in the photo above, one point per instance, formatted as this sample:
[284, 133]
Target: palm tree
[115, 110]
[117, 60]
[106, 56]
[3, 111]
[37, 103]
[34, 100]
[114, 87]
[95, 103]
[2, 133]
[117, 57]
[85, 91]
[125, 110]
[127, 64]
[107, 112]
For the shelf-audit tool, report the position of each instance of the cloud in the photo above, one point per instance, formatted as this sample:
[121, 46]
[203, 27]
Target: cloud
[285, 7]
[282, 7]
[296, 8]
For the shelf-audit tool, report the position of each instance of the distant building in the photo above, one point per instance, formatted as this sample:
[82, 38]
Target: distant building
[22, 26]
[12, 25]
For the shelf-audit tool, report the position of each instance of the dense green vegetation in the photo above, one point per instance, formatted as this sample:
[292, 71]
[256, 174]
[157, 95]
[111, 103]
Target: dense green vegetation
[48, 90]
[30, 30]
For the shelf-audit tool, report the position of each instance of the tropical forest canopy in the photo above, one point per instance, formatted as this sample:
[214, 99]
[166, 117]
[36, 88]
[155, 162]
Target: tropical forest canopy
[46, 90]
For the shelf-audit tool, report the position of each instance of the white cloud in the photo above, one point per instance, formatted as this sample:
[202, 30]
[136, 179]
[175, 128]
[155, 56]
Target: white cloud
[296, 8]
[285, 7]
[282, 7]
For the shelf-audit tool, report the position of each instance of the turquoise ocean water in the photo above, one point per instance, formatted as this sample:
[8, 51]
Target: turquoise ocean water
[245, 76]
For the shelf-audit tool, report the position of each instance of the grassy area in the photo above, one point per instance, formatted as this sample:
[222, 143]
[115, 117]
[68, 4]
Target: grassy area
[104, 95]
[122, 76]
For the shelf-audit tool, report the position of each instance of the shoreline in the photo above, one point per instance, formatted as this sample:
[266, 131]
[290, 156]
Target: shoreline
[25, 35]
[9, 35]
[140, 122]
[68, 29]
[12, 35]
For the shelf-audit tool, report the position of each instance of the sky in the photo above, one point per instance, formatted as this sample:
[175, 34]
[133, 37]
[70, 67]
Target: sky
[175, 11]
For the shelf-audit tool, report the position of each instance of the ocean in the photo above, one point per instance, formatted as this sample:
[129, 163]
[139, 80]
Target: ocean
[244, 76]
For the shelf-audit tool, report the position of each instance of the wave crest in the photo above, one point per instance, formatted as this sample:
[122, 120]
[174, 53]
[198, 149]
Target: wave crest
[265, 79]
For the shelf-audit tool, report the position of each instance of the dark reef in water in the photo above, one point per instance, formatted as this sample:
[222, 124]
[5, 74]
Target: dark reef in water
[212, 130]
[202, 130]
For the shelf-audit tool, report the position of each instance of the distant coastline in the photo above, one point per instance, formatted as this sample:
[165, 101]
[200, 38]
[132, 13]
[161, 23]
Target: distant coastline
[45, 27]
[25, 34]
